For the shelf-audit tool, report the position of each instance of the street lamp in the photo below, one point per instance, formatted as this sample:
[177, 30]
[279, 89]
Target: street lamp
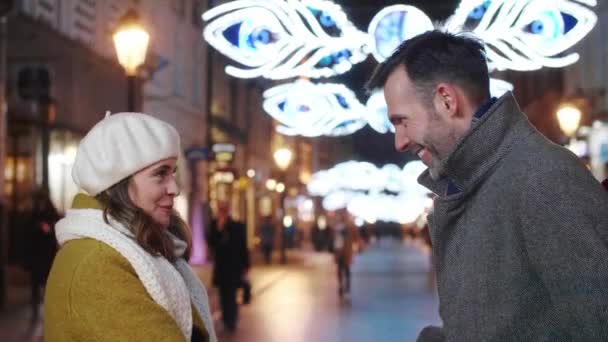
[569, 118]
[271, 184]
[282, 157]
[131, 43]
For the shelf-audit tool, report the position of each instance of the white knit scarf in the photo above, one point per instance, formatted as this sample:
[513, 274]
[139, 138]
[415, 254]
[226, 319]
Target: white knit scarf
[174, 287]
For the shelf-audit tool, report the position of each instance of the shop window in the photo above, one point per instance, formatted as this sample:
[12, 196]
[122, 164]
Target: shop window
[19, 167]
[15, 175]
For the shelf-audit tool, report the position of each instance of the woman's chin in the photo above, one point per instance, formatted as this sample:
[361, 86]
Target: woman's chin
[163, 221]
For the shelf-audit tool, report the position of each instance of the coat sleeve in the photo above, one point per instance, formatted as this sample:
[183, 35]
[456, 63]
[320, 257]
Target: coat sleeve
[564, 225]
[111, 304]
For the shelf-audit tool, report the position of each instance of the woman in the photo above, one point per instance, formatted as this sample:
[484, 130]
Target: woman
[121, 272]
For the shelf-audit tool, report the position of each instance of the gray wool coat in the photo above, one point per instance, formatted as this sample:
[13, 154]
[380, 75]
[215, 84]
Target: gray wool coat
[521, 253]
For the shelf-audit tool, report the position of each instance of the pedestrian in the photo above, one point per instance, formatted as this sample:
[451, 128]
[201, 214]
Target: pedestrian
[43, 246]
[267, 233]
[228, 242]
[345, 238]
[121, 273]
[519, 229]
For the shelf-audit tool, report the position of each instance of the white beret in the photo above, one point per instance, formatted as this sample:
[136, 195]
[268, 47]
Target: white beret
[120, 145]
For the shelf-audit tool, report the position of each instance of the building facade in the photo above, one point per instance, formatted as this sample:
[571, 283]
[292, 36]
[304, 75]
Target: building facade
[63, 75]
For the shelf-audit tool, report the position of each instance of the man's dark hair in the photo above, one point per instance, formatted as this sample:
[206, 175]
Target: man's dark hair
[435, 57]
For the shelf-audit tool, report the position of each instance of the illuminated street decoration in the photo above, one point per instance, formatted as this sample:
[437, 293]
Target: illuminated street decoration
[280, 39]
[527, 34]
[499, 87]
[389, 193]
[377, 113]
[364, 176]
[283, 39]
[388, 208]
[396, 24]
[312, 110]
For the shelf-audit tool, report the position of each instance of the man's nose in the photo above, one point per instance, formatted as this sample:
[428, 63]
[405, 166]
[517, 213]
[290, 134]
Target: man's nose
[402, 143]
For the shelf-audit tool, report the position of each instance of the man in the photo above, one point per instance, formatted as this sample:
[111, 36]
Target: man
[228, 242]
[43, 246]
[267, 233]
[345, 236]
[519, 226]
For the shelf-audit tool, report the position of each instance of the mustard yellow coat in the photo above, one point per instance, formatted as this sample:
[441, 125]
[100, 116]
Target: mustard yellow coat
[94, 294]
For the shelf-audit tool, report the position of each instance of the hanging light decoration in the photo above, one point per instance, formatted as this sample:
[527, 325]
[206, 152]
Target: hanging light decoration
[282, 39]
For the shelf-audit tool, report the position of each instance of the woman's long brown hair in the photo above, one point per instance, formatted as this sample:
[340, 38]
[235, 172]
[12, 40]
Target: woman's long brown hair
[150, 235]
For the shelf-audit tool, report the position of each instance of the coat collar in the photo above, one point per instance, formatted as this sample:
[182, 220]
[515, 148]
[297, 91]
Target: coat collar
[482, 147]
[83, 201]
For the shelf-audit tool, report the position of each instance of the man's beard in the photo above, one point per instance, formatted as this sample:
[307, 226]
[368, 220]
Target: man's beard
[448, 138]
[436, 168]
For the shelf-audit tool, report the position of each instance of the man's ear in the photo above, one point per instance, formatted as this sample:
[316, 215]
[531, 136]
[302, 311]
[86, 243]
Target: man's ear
[446, 100]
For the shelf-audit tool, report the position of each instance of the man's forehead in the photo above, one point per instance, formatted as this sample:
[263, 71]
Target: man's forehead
[398, 81]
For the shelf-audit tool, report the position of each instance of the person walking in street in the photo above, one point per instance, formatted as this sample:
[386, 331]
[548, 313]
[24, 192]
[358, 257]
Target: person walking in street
[519, 229]
[121, 273]
[42, 246]
[228, 242]
[267, 233]
[345, 237]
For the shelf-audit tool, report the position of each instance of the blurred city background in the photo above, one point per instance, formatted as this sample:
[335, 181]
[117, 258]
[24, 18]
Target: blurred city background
[270, 140]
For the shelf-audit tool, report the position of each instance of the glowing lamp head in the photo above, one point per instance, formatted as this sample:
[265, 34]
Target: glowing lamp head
[271, 184]
[131, 43]
[287, 221]
[569, 118]
[282, 158]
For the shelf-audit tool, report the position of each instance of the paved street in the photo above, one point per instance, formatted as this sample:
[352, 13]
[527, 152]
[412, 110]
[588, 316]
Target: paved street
[392, 298]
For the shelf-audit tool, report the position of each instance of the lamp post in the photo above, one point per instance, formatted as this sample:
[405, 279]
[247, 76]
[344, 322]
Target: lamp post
[569, 118]
[282, 157]
[131, 43]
